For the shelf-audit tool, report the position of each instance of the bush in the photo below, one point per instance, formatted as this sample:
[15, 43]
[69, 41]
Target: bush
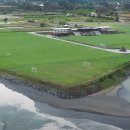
[42, 24]
[5, 20]
[62, 23]
[31, 21]
[123, 49]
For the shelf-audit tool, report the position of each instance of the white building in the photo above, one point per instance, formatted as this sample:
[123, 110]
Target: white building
[93, 14]
[62, 31]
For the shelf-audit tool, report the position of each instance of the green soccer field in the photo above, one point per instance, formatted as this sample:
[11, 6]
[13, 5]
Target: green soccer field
[55, 61]
[109, 41]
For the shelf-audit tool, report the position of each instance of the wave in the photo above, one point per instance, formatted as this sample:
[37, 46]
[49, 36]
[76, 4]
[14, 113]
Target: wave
[88, 126]
[1, 125]
[12, 103]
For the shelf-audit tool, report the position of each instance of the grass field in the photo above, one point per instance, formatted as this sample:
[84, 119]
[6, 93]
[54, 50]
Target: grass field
[53, 60]
[112, 41]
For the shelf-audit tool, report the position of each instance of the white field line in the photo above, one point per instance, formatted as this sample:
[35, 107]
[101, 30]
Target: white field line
[76, 43]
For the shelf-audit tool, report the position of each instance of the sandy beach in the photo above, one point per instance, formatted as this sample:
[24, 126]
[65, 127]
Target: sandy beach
[109, 107]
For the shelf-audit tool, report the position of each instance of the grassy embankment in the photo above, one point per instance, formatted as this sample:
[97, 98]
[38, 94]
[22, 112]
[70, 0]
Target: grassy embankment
[58, 62]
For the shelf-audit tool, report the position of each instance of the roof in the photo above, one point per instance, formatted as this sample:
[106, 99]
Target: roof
[103, 27]
[61, 28]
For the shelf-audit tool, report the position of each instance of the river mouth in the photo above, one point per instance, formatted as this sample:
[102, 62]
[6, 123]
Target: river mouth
[53, 117]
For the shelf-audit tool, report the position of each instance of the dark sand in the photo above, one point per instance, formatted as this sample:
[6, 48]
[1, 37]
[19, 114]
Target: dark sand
[110, 109]
[103, 104]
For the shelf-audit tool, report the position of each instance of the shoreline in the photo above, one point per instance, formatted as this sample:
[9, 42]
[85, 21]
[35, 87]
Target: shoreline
[76, 117]
[99, 104]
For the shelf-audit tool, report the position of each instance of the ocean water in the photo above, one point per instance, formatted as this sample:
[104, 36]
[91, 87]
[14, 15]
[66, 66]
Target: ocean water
[18, 112]
[125, 90]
